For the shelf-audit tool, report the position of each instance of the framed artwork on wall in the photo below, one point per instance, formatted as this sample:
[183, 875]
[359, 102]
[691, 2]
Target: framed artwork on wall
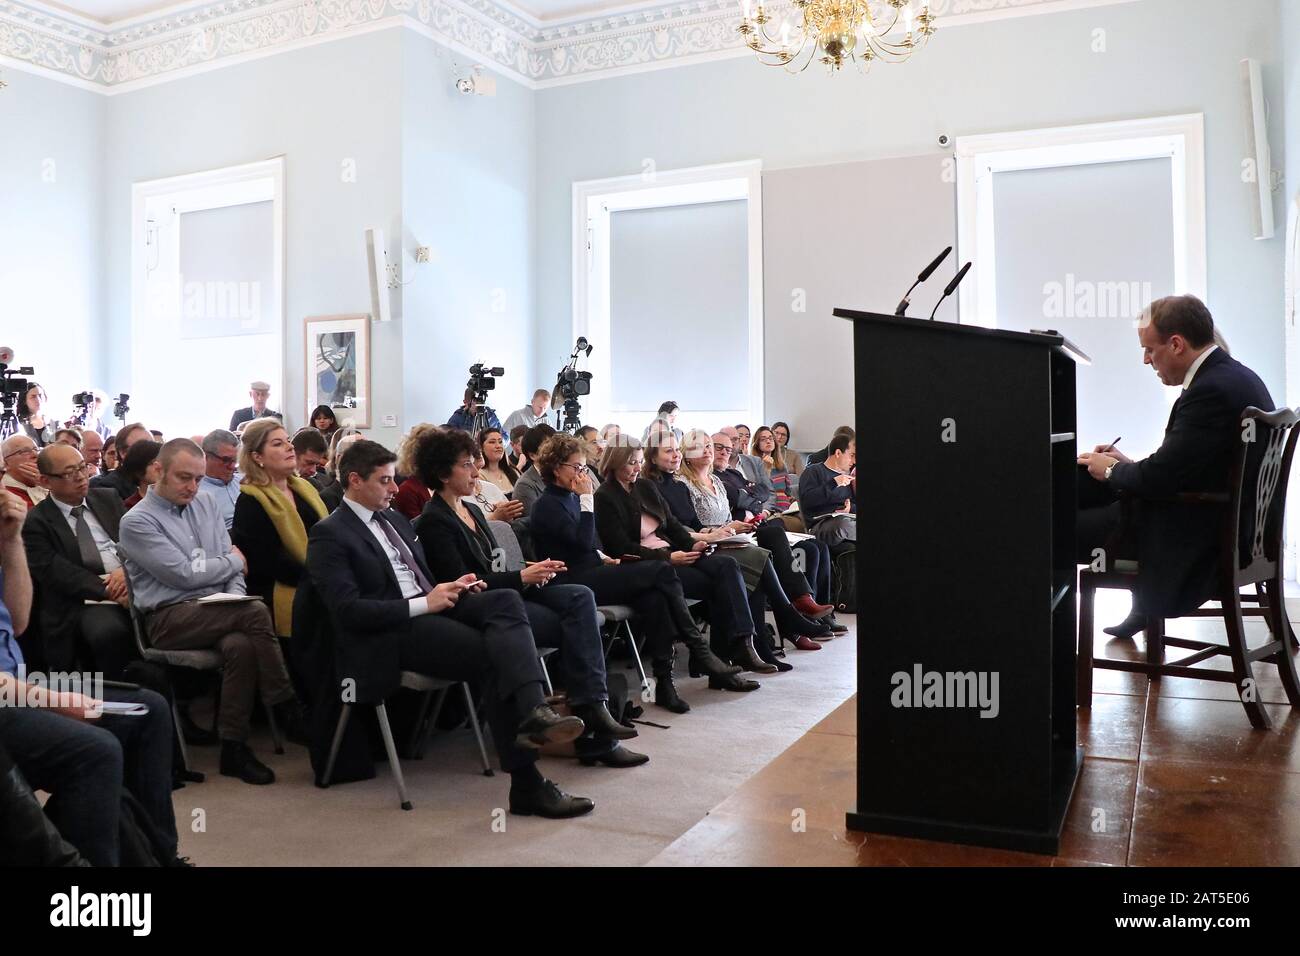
[337, 368]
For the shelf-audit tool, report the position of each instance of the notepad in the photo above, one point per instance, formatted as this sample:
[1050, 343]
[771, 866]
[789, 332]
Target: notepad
[124, 708]
[224, 597]
[737, 541]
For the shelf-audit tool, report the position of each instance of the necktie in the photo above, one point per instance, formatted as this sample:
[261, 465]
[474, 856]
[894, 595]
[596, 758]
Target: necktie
[86, 542]
[408, 559]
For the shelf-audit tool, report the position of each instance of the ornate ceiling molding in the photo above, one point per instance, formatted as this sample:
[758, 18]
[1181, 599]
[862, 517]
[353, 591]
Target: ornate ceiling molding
[537, 53]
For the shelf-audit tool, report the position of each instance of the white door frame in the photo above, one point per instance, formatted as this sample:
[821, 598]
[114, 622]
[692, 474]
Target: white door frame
[595, 199]
[210, 189]
[1181, 139]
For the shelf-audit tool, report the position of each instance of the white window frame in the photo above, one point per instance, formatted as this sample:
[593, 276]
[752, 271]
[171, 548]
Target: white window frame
[1291, 552]
[1181, 139]
[210, 189]
[593, 201]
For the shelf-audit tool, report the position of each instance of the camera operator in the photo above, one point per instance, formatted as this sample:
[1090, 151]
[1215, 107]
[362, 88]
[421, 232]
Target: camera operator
[531, 414]
[473, 414]
[33, 417]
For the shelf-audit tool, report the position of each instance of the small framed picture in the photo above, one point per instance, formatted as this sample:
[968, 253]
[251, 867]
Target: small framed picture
[338, 367]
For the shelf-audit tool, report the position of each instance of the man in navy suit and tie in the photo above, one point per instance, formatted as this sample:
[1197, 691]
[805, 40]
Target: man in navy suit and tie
[1177, 545]
[370, 572]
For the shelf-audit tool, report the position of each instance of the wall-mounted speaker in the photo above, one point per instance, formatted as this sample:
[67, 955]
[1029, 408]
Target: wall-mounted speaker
[1257, 171]
[377, 270]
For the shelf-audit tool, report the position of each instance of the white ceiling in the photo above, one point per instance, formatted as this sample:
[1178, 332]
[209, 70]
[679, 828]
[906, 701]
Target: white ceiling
[112, 11]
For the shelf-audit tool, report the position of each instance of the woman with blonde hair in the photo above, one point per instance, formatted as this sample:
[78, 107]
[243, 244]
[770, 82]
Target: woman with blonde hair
[275, 512]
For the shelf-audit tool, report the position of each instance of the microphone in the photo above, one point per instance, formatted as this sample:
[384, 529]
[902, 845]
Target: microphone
[950, 288]
[6, 355]
[925, 274]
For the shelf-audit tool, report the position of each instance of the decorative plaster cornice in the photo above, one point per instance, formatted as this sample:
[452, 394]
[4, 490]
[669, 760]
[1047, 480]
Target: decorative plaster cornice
[538, 53]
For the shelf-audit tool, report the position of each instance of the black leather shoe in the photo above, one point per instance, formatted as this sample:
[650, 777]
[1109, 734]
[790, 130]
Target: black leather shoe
[733, 682]
[238, 761]
[836, 627]
[181, 776]
[182, 861]
[548, 800]
[544, 726]
[618, 756]
[1128, 627]
[195, 735]
[293, 722]
[666, 695]
[602, 723]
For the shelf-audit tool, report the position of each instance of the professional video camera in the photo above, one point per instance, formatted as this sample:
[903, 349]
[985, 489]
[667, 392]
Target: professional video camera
[84, 402]
[482, 380]
[569, 384]
[12, 389]
[120, 407]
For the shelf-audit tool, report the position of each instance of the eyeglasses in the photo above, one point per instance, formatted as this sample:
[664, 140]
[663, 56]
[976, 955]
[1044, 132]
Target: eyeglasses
[71, 474]
[484, 503]
[577, 469]
[717, 447]
[227, 460]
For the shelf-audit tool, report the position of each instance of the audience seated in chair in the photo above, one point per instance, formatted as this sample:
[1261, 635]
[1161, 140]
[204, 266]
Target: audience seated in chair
[65, 744]
[412, 494]
[563, 526]
[21, 473]
[141, 468]
[323, 419]
[458, 541]
[275, 512]
[220, 480]
[826, 488]
[112, 478]
[71, 540]
[92, 450]
[176, 550]
[531, 485]
[309, 449]
[369, 569]
[795, 461]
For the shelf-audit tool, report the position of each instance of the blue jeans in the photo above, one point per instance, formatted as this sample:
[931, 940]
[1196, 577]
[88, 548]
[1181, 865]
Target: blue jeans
[85, 764]
[564, 616]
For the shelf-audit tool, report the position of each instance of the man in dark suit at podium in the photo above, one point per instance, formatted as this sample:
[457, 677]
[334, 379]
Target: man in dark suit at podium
[1176, 544]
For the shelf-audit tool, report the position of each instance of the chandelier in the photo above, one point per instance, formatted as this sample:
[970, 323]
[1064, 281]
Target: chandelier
[832, 31]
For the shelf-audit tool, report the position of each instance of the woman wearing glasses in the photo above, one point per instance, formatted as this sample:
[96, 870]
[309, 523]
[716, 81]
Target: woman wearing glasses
[563, 525]
[633, 519]
[457, 540]
[795, 462]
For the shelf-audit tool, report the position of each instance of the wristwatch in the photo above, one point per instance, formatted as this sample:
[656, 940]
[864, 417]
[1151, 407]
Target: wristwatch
[1109, 469]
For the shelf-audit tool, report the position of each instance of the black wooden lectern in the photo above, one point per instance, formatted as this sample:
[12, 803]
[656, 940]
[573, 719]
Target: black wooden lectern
[966, 581]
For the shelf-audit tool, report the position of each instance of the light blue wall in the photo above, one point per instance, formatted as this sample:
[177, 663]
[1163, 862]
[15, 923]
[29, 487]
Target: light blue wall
[1162, 57]
[467, 192]
[318, 107]
[1290, 161]
[50, 208]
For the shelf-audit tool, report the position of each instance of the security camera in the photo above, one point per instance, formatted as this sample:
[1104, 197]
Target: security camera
[483, 84]
[944, 140]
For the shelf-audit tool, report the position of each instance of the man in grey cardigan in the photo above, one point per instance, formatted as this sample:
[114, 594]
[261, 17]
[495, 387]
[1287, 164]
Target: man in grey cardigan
[176, 550]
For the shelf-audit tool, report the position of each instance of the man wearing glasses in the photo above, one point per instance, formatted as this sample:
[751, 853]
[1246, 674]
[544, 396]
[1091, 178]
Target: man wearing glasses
[221, 456]
[71, 542]
[19, 454]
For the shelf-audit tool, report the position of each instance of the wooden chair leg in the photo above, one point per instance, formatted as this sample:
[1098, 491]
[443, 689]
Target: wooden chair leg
[1155, 637]
[1244, 677]
[1280, 626]
[1083, 665]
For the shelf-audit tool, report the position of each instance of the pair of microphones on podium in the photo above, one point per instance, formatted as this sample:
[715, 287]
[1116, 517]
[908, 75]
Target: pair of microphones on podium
[925, 274]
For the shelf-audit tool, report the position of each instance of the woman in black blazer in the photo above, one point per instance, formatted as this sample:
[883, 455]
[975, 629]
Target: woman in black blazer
[563, 526]
[457, 541]
[633, 519]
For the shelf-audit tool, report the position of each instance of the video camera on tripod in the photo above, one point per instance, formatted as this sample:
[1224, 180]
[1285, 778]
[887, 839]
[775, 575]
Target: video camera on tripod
[12, 388]
[569, 384]
[482, 380]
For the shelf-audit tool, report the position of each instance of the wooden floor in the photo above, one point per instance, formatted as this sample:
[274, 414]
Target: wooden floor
[1173, 776]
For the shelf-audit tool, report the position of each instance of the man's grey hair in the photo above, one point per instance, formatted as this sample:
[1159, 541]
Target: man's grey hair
[214, 439]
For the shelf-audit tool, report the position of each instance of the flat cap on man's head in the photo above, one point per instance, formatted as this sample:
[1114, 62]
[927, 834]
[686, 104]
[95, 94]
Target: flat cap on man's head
[260, 387]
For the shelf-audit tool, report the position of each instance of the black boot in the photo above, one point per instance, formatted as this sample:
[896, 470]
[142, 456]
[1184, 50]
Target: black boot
[766, 651]
[601, 722]
[666, 693]
[238, 761]
[1128, 627]
[733, 682]
[702, 660]
[791, 625]
[748, 658]
[292, 719]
